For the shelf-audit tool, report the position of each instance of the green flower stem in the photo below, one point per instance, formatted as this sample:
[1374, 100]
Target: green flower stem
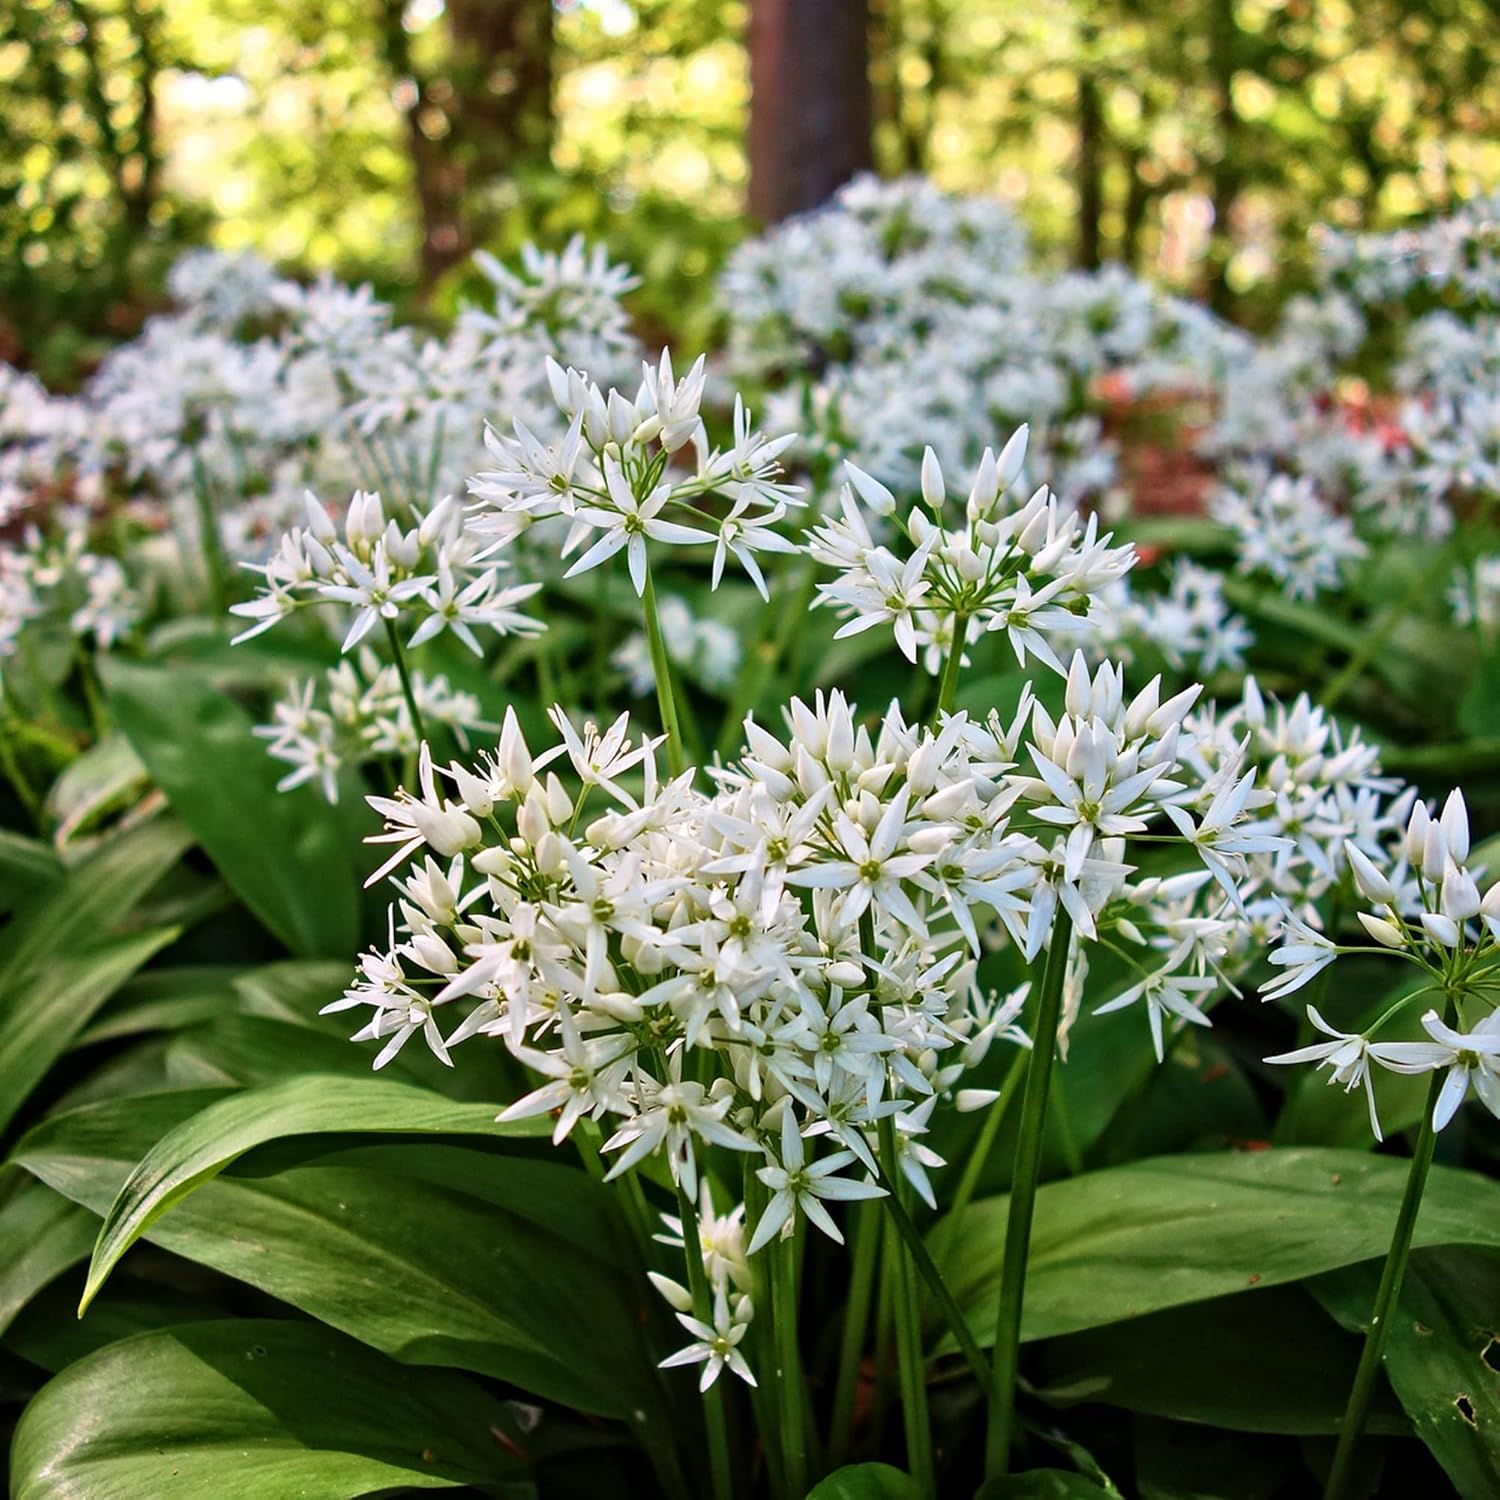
[17, 777]
[866, 1235]
[212, 543]
[760, 1339]
[661, 670]
[722, 1474]
[398, 653]
[1002, 1420]
[979, 1157]
[912, 1366]
[953, 1314]
[788, 1366]
[948, 687]
[1368, 1374]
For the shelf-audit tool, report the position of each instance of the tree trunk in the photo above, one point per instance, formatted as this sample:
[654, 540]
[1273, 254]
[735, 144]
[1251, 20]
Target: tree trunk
[1090, 169]
[809, 102]
[1227, 178]
[472, 121]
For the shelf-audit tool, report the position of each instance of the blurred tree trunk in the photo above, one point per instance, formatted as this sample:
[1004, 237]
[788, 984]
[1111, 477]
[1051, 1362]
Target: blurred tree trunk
[810, 102]
[1227, 179]
[1090, 165]
[476, 118]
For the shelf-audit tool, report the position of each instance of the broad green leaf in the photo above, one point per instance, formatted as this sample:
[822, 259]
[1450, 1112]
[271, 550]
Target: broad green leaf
[283, 854]
[1159, 1233]
[1041, 1484]
[89, 902]
[865, 1482]
[49, 1334]
[1177, 1461]
[41, 1235]
[261, 1409]
[27, 866]
[1270, 1363]
[41, 1013]
[313, 1104]
[430, 1252]
[107, 777]
[1442, 1354]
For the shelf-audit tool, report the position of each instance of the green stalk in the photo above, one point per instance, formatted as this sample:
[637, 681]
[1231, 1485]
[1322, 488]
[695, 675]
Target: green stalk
[1368, 1374]
[953, 1314]
[866, 1237]
[788, 1366]
[909, 1359]
[713, 1398]
[979, 1157]
[17, 777]
[948, 687]
[398, 653]
[1002, 1420]
[212, 543]
[760, 1339]
[661, 670]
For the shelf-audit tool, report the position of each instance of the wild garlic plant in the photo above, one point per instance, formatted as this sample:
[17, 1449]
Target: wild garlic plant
[776, 960]
[630, 472]
[1420, 902]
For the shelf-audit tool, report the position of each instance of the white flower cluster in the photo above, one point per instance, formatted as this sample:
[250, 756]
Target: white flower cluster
[1424, 905]
[430, 571]
[1286, 531]
[1028, 569]
[614, 476]
[356, 713]
[900, 317]
[55, 575]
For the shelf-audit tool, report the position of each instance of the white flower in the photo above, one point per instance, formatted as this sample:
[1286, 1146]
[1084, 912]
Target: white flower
[796, 1184]
[716, 1345]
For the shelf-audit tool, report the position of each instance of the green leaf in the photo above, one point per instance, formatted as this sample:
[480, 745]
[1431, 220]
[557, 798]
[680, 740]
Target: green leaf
[283, 854]
[41, 1235]
[42, 1013]
[88, 902]
[106, 778]
[1041, 1484]
[1269, 1363]
[264, 1409]
[430, 1252]
[27, 866]
[1159, 1233]
[1442, 1354]
[314, 1104]
[865, 1482]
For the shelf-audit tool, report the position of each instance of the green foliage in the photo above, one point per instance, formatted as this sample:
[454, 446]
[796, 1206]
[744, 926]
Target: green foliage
[286, 1408]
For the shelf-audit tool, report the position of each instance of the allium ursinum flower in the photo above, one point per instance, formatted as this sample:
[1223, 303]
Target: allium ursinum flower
[428, 572]
[620, 477]
[1326, 789]
[1423, 904]
[788, 958]
[1474, 594]
[570, 297]
[1285, 530]
[55, 574]
[358, 713]
[1029, 569]
[1191, 624]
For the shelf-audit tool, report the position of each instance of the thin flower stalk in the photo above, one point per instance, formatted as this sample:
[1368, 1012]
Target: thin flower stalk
[1372, 1355]
[1028, 1163]
[661, 670]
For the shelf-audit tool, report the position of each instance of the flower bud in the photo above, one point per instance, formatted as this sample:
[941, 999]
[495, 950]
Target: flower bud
[1387, 934]
[1372, 885]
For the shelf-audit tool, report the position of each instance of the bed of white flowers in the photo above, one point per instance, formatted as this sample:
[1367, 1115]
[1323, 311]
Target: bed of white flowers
[761, 922]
